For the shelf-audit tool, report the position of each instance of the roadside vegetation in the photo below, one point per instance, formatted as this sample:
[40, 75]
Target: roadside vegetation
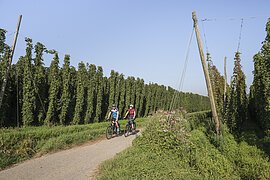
[19, 144]
[185, 148]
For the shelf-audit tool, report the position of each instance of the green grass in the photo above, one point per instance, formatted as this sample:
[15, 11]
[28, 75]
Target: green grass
[186, 151]
[18, 144]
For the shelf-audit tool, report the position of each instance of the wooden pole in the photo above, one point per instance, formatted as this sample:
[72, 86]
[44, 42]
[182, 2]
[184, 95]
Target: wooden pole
[2, 92]
[225, 79]
[206, 73]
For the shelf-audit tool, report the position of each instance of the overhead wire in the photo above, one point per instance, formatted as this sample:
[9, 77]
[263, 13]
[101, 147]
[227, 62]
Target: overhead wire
[233, 19]
[204, 34]
[240, 35]
[181, 81]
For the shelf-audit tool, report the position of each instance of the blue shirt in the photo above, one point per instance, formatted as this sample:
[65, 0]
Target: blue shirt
[114, 113]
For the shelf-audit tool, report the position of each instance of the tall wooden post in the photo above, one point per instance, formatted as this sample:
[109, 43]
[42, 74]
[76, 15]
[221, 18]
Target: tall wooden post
[225, 79]
[2, 92]
[206, 73]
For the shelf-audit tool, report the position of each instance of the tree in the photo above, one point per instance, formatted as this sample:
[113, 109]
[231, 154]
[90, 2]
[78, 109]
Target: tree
[153, 97]
[79, 113]
[236, 113]
[73, 87]
[122, 87]
[148, 99]
[261, 83]
[66, 87]
[28, 105]
[117, 89]
[105, 98]
[99, 87]
[112, 85]
[91, 93]
[217, 82]
[39, 84]
[52, 116]
[132, 90]
[142, 100]
[4, 54]
[19, 87]
[139, 98]
[128, 91]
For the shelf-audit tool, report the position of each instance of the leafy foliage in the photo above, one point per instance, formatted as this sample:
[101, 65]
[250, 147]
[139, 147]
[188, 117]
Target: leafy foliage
[66, 94]
[170, 148]
[63, 95]
[79, 113]
[260, 91]
[54, 86]
[28, 91]
[236, 107]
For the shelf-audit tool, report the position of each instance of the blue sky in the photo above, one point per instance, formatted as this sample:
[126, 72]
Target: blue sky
[141, 38]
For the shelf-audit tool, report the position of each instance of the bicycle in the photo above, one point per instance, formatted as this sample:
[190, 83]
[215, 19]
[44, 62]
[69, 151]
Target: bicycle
[111, 129]
[128, 128]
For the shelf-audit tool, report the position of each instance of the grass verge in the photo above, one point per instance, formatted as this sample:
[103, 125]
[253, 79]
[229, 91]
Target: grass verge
[19, 144]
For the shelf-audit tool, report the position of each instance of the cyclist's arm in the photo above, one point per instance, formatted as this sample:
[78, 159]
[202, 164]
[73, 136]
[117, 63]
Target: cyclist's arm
[117, 115]
[134, 114]
[126, 114]
[109, 115]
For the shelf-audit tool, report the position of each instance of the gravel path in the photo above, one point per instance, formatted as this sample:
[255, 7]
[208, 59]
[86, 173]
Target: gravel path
[76, 163]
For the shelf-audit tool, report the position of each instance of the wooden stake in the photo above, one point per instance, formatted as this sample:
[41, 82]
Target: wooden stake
[2, 92]
[206, 74]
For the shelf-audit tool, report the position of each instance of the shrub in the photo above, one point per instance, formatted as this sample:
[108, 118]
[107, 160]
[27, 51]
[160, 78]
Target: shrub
[165, 152]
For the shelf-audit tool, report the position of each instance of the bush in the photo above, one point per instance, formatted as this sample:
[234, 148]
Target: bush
[157, 154]
[208, 160]
[252, 163]
[176, 153]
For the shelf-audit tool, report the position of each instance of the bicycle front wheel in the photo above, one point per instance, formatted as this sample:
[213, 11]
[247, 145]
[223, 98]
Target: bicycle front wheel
[109, 132]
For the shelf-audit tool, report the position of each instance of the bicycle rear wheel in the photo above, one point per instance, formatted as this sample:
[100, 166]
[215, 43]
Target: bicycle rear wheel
[127, 130]
[109, 132]
[134, 126]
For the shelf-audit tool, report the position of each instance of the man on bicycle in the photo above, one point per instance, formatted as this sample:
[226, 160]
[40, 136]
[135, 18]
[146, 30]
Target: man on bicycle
[115, 114]
[131, 113]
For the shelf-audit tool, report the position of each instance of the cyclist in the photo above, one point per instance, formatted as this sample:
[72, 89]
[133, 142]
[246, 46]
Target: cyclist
[131, 113]
[115, 114]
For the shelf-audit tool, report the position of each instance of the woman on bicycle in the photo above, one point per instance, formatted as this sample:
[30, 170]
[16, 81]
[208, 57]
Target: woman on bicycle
[131, 113]
[114, 114]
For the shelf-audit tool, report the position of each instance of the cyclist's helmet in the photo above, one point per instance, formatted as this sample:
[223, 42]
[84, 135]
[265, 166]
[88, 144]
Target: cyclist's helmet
[114, 105]
[131, 105]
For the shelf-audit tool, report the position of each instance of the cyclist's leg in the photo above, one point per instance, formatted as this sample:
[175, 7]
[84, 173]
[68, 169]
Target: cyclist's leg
[112, 122]
[132, 126]
[133, 123]
[116, 125]
[127, 122]
[130, 122]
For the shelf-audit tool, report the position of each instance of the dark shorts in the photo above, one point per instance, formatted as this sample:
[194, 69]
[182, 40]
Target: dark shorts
[131, 121]
[113, 120]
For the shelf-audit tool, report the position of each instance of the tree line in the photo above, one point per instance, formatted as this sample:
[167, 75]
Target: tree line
[39, 95]
[235, 106]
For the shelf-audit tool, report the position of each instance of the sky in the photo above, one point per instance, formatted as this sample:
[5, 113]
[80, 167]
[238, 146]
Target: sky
[142, 38]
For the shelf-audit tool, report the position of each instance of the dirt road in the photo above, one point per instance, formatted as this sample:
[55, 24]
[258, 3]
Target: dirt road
[76, 163]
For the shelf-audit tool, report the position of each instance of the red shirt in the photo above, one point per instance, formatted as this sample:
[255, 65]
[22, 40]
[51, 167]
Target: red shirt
[131, 112]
